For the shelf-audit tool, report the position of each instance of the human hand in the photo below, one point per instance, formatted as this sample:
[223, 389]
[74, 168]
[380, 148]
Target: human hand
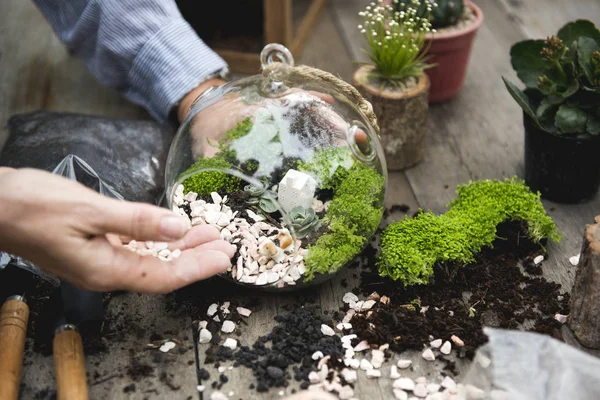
[62, 227]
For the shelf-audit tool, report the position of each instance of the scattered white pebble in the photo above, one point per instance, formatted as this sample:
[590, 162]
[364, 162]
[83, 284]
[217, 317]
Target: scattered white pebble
[167, 346]
[346, 393]
[474, 393]
[317, 355]
[561, 318]
[212, 309]
[404, 384]
[421, 380]
[202, 324]
[420, 390]
[362, 346]
[349, 375]
[428, 355]
[484, 361]
[448, 383]
[400, 394]
[327, 330]
[244, 312]
[218, 396]
[373, 373]
[343, 326]
[350, 297]
[222, 369]
[228, 326]
[281, 393]
[538, 260]
[365, 365]
[230, 368]
[433, 387]
[436, 343]
[230, 343]
[574, 260]
[457, 341]
[367, 305]
[205, 336]
[403, 364]
[446, 348]
[394, 372]
[201, 388]
[377, 358]
[230, 394]
[313, 377]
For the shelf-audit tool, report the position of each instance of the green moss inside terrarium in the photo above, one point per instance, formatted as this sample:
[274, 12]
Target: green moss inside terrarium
[410, 248]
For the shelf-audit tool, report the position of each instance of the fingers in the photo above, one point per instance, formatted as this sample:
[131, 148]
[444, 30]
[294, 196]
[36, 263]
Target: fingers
[196, 236]
[138, 221]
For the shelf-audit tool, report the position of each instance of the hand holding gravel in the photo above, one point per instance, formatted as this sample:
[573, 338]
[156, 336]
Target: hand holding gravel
[72, 232]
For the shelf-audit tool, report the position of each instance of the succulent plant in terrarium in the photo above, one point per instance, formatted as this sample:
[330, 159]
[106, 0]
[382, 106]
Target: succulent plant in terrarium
[562, 80]
[443, 13]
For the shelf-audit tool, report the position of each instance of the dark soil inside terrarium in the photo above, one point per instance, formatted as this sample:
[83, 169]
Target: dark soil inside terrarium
[493, 291]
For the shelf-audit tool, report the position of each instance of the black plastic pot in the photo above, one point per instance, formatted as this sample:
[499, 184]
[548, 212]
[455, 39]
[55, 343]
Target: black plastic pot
[563, 169]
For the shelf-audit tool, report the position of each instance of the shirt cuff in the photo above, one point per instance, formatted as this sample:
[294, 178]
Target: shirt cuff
[172, 63]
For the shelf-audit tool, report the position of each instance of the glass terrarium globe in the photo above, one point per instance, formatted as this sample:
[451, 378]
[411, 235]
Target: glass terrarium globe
[287, 167]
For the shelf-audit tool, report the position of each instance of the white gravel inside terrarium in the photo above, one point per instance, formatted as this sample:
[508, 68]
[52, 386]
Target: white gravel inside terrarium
[267, 254]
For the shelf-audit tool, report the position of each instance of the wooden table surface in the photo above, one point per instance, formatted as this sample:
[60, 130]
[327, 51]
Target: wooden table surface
[477, 135]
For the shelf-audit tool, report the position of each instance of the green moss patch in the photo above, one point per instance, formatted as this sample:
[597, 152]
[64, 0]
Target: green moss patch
[410, 248]
[353, 216]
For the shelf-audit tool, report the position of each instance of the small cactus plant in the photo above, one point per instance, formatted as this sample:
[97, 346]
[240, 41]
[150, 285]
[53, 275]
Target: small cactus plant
[444, 12]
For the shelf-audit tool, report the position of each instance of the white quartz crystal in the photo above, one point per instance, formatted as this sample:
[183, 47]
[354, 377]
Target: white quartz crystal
[296, 189]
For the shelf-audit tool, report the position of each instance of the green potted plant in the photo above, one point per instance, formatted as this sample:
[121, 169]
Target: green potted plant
[454, 26]
[395, 83]
[561, 111]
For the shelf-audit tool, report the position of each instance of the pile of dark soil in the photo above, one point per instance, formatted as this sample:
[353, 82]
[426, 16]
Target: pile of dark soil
[493, 291]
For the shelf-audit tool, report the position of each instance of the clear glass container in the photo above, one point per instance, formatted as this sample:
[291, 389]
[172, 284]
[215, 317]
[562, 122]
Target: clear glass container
[287, 167]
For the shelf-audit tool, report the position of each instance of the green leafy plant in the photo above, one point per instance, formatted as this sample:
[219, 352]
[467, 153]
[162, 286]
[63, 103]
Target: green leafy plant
[562, 79]
[443, 12]
[396, 40]
[263, 198]
[410, 248]
[304, 221]
[352, 217]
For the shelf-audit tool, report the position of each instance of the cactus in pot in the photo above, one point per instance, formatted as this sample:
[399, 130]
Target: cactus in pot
[443, 13]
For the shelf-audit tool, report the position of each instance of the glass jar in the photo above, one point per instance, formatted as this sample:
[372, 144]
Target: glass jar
[287, 166]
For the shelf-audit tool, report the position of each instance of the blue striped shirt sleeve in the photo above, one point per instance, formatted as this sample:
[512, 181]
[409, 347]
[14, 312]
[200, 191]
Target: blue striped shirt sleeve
[143, 48]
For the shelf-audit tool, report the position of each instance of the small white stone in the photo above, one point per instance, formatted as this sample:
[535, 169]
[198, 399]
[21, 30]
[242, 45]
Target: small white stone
[377, 358]
[217, 319]
[230, 343]
[448, 383]
[349, 353]
[446, 348]
[228, 327]
[190, 196]
[436, 343]
[262, 279]
[404, 384]
[254, 216]
[384, 347]
[373, 373]
[349, 297]
[313, 377]
[175, 254]
[317, 355]
[281, 393]
[420, 390]
[428, 355]
[202, 324]
[216, 198]
[474, 393]
[457, 341]
[218, 396]
[205, 336]
[222, 369]
[327, 330]
[538, 260]
[296, 189]
[348, 317]
[244, 312]
[362, 346]
[403, 363]
[230, 394]
[367, 305]
[400, 394]
[394, 374]
[167, 346]
[433, 387]
[561, 318]
[354, 363]
[346, 393]
[212, 309]
[365, 365]
[421, 380]
[574, 260]
[201, 388]
[484, 361]
[349, 375]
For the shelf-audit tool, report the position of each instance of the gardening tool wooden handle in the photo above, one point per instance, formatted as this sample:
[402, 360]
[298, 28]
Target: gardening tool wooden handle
[69, 364]
[13, 328]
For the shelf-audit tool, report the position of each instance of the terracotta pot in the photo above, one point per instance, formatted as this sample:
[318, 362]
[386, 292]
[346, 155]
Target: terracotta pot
[562, 168]
[451, 52]
[401, 115]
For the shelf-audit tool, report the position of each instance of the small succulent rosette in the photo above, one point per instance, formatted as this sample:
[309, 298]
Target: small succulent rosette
[288, 168]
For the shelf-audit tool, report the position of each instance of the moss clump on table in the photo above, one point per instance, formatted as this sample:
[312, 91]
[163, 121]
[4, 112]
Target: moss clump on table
[410, 248]
[353, 216]
[206, 182]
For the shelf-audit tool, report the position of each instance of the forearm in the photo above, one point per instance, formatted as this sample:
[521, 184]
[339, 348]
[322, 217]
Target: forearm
[143, 48]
